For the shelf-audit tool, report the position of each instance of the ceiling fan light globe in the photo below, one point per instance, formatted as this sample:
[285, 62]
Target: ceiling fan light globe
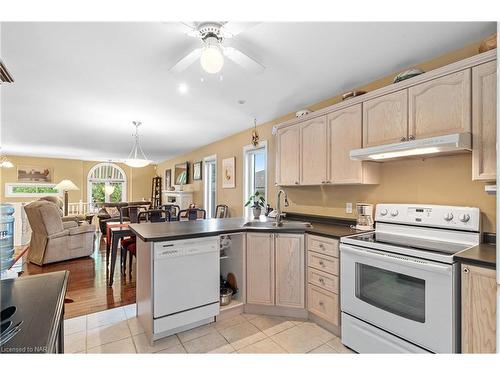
[211, 59]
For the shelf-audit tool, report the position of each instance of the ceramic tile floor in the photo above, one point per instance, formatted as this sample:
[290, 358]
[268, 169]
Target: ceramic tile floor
[118, 331]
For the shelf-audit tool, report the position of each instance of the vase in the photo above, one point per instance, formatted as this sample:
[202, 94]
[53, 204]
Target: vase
[256, 212]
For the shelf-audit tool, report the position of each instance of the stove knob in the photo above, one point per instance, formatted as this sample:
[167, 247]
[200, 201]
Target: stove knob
[383, 212]
[448, 216]
[394, 213]
[464, 218]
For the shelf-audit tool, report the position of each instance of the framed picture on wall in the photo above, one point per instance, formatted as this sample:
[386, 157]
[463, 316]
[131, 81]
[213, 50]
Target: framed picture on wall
[228, 173]
[181, 173]
[197, 170]
[30, 173]
[168, 179]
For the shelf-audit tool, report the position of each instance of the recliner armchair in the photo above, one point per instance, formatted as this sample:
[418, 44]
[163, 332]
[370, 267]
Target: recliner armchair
[53, 240]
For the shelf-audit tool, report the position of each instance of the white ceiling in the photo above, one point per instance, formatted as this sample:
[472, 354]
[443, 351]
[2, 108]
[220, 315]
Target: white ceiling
[78, 86]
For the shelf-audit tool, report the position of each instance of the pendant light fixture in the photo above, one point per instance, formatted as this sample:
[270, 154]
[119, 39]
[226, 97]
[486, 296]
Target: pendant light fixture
[255, 134]
[137, 158]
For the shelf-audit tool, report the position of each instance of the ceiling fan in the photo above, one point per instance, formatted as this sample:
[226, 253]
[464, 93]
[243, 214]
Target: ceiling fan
[212, 51]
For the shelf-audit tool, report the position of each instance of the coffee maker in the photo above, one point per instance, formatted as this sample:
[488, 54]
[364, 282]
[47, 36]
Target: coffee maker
[365, 216]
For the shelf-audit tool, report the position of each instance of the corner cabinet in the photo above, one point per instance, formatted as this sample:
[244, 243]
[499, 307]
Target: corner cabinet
[344, 128]
[288, 156]
[440, 106]
[479, 290]
[260, 268]
[484, 120]
[275, 269]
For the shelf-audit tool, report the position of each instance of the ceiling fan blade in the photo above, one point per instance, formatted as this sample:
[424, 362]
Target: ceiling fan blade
[190, 28]
[187, 60]
[244, 60]
[231, 29]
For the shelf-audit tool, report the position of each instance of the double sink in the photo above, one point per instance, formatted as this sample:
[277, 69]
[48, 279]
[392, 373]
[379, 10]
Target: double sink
[285, 224]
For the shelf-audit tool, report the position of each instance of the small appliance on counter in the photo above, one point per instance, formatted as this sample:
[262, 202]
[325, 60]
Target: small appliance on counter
[365, 216]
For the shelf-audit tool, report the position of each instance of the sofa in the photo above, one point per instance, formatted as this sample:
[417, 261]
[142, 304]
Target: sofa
[55, 240]
[104, 216]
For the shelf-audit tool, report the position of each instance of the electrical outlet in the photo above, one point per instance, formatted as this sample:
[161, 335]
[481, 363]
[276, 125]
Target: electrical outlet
[348, 208]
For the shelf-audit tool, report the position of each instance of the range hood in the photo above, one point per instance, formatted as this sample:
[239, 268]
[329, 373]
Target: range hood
[444, 144]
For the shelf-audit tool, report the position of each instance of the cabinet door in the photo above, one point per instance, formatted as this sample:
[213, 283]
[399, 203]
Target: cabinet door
[484, 120]
[288, 155]
[260, 268]
[344, 135]
[441, 106]
[385, 119]
[313, 151]
[478, 309]
[290, 270]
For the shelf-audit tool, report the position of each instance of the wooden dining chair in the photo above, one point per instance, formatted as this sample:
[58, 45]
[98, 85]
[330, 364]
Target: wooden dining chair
[155, 216]
[221, 211]
[192, 214]
[173, 209]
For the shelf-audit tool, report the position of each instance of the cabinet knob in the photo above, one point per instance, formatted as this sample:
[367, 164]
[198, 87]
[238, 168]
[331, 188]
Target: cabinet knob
[466, 270]
[296, 182]
[321, 280]
[328, 182]
[323, 182]
[321, 246]
[321, 303]
[321, 263]
[411, 138]
[403, 139]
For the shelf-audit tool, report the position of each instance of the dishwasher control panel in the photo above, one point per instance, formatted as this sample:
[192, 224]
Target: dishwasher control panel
[179, 248]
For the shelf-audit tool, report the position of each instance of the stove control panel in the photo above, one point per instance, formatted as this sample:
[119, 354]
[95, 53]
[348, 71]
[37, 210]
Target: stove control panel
[452, 217]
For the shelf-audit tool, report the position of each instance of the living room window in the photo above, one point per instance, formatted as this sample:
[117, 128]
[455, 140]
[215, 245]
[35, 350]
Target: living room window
[106, 183]
[30, 190]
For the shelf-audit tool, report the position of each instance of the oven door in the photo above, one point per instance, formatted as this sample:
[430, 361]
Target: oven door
[409, 297]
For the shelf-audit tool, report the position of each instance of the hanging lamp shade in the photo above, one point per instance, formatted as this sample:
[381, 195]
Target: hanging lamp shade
[137, 158]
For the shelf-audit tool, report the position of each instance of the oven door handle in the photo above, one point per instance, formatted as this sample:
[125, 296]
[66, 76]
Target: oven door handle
[397, 259]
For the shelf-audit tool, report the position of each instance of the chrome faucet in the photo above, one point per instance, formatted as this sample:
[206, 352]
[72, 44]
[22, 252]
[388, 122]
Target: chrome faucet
[279, 214]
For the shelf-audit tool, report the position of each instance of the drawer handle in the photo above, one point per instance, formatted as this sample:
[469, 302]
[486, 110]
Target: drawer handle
[321, 263]
[322, 281]
[321, 246]
[321, 303]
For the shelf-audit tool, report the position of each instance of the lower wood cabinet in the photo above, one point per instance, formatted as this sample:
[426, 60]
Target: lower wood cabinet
[478, 309]
[276, 269]
[260, 268]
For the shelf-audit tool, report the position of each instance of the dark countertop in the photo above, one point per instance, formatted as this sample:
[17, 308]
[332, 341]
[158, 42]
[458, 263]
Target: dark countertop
[483, 255]
[212, 227]
[39, 302]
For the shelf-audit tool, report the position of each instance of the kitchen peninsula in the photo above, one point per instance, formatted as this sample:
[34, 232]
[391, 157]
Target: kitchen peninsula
[179, 264]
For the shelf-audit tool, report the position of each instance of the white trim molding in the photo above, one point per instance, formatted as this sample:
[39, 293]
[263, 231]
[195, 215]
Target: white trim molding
[9, 190]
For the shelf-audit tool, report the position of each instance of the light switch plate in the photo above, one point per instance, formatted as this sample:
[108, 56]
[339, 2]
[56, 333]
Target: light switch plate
[348, 208]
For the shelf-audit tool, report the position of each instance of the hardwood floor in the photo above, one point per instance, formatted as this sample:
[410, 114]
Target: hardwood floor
[87, 286]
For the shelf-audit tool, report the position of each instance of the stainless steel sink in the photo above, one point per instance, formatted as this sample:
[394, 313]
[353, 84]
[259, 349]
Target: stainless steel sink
[273, 225]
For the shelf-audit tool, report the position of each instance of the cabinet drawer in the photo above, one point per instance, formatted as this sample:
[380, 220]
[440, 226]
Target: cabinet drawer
[323, 263]
[323, 245]
[324, 304]
[323, 280]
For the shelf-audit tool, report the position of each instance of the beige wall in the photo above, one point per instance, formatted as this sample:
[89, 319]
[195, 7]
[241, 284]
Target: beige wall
[138, 180]
[440, 180]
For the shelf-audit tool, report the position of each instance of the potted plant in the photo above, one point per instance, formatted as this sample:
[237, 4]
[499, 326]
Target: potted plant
[257, 202]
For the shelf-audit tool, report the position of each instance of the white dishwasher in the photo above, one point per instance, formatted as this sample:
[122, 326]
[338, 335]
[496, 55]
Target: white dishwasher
[186, 284]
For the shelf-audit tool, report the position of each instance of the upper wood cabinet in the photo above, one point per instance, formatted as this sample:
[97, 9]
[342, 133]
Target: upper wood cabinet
[478, 309]
[288, 156]
[385, 119]
[313, 151]
[484, 120]
[344, 129]
[440, 106]
[260, 268]
[290, 270]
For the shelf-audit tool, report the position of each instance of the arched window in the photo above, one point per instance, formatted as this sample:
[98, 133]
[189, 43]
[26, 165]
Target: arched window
[106, 182]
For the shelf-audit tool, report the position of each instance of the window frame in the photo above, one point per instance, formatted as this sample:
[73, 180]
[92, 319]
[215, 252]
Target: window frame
[91, 180]
[247, 150]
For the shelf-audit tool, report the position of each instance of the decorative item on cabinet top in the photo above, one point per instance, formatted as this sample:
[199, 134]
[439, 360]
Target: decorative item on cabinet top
[488, 44]
[413, 72]
[302, 113]
[352, 94]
